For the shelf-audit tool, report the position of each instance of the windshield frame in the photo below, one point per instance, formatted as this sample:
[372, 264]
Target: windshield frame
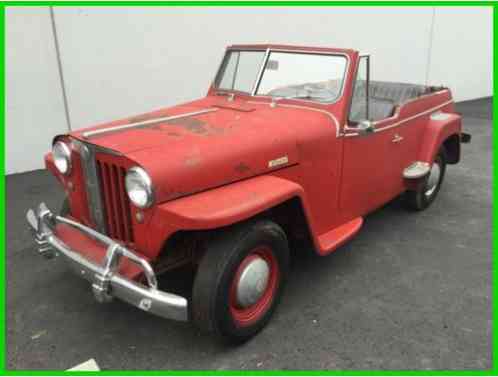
[224, 64]
[259, 77]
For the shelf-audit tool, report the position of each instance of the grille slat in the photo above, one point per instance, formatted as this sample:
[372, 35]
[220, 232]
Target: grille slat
[113, 179]
[116, 202]
[119, 207]
[106, 194]
[125, 205]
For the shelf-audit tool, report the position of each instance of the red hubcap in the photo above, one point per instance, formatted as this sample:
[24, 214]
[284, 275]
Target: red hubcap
[246, 316]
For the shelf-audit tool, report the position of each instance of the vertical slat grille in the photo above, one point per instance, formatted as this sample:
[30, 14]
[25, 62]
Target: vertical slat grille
[116, 202]
[125, 205]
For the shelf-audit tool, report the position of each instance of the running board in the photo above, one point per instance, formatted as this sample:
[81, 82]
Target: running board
[330, 241]
[416, 170]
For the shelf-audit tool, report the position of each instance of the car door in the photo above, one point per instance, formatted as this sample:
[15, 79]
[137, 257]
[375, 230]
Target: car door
[371, 170]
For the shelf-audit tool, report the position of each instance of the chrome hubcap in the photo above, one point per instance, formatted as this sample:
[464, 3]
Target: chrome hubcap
[252, 282]
[433, 179]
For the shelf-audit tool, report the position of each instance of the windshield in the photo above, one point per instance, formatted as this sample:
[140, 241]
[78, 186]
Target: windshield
[315, 77]
[240, 70]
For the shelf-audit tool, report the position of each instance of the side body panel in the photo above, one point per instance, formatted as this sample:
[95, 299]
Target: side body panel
[371, 172]
[373, 164]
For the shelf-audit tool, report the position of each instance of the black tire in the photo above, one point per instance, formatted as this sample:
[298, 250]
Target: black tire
[212, 308]
[65, 208]
[422, 198]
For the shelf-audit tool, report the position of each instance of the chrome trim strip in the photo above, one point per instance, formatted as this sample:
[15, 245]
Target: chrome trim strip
[397, 123]
[100, 131]
[106, 280]
[92, 183]
[329, 114]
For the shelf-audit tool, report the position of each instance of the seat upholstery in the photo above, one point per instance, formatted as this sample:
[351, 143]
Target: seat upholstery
[378, 109]
[383, 98]
[395, 91]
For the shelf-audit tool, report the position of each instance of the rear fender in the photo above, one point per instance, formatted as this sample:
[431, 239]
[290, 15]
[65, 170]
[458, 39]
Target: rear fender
[440, 127]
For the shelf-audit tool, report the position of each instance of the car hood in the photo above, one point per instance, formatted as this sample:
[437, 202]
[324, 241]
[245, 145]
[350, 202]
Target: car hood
[223, 142]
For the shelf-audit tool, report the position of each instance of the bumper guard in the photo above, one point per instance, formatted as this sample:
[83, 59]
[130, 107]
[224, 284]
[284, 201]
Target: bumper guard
[105, 279]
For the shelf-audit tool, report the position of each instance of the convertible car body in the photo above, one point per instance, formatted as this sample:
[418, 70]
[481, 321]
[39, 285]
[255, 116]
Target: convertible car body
[289, 142]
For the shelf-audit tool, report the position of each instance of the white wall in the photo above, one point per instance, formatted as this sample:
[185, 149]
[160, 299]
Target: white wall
[462, 51]
[122, 60]
[119, 61]
[34, 106]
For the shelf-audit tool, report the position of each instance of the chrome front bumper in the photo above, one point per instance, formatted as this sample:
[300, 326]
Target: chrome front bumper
[105, 279]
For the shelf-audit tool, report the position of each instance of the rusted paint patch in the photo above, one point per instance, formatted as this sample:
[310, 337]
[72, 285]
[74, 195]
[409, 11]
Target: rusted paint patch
[191, 124]
[174, 134]
[137, 119]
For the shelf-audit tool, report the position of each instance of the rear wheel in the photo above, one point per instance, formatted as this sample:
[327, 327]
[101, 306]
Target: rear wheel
[422, 198]
[240, 280]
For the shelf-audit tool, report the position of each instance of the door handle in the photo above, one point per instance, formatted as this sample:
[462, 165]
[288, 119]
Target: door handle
[397, 138]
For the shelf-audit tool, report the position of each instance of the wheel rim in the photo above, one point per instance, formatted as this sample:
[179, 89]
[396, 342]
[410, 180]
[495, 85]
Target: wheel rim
[254, 286]
[433, 179]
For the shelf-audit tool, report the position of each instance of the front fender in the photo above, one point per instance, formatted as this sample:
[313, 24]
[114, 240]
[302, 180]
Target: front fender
[439, 128]
[220, 207]
[229, 204]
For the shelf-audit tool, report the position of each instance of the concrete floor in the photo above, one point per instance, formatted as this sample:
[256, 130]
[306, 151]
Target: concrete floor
[411, 291]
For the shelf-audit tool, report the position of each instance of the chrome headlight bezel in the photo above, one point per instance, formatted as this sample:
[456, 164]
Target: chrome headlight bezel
[137, 179]
[61, 154]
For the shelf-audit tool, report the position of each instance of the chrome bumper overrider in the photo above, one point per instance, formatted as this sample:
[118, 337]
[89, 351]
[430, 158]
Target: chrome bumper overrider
[106, 281]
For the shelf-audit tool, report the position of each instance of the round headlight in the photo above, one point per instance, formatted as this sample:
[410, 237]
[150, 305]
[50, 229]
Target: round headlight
[139, 187]
[62, 157]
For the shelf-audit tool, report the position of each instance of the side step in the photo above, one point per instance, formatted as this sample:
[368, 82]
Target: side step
[417, 170]
[331, 240]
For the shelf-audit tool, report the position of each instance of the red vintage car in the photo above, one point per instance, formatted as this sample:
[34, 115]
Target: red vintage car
[289, 142]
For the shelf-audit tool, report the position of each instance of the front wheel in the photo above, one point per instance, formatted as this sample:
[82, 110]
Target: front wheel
[240, 280]
[65, 209]
[422, 198]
